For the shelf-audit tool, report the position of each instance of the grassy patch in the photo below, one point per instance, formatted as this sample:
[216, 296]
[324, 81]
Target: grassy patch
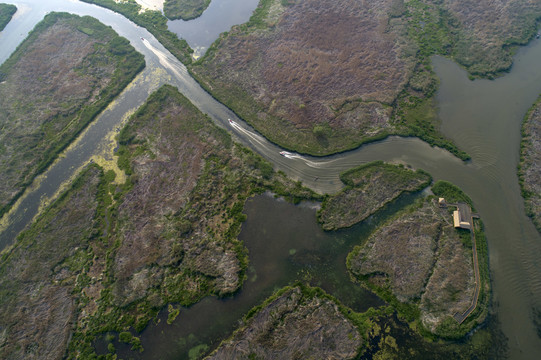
[431, 291]
[184, 9]
[450, 192]
[529, 171]
[6, 12]
[368, 188]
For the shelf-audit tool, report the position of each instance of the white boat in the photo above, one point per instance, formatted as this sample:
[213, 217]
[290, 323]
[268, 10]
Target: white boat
[283, 153]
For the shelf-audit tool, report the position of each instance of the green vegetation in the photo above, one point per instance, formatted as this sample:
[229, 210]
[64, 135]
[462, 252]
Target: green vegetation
[185, 193]
[420, 117]
[184, 9]
[399, 262]
[154, 22]
[327, 112]
[42, 274]
[56, 83]
[382, 335]
[173, 313]
[368, 188]
[433, 31]
[297, 321]
[6, 12]
[529, 168]
[451, 192]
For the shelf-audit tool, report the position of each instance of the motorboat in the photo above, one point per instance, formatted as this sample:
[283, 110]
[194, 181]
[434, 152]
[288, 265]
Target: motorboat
[283, 153]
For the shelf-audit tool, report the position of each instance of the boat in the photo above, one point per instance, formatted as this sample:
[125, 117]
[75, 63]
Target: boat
[142, 39]
[283, 153]
[231, 122]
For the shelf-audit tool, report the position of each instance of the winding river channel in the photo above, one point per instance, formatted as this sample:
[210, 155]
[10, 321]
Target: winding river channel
[483, 117]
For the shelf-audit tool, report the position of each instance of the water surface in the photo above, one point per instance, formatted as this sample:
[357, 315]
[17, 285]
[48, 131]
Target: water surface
[483, 117]
[201, 32]
[285, 245]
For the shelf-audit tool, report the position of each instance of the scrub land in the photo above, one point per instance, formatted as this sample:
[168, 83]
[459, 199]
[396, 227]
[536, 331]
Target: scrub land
[56, 82]
[530, 163]
[169, 234]
[368, 188]
[107, 258]
[366, 76]
[184, 9]
[6, 12]
[295, 323]
[422, 265]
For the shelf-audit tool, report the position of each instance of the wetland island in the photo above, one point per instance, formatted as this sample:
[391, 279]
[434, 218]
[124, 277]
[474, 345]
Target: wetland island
[203, 242]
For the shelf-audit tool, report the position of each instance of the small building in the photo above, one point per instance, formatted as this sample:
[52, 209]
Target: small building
[462, 217]
[442, 203]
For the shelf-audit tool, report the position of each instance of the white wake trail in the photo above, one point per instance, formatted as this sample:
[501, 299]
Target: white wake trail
[165, 61]
[313, 164]
[255, 137]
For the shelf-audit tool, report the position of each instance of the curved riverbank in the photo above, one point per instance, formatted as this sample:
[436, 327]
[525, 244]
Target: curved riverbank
[529, 171]
[483, 117]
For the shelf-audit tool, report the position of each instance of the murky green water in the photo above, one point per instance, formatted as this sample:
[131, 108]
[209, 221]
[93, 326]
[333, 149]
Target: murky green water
[482, 117]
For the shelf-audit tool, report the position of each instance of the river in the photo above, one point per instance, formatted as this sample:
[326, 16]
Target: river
[483, 117]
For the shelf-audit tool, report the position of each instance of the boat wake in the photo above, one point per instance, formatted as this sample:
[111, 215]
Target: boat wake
[178, 69]
[313, 164]
[253, 137]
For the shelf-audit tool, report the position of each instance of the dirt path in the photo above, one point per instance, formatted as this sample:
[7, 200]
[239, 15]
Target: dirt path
[461, 317]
